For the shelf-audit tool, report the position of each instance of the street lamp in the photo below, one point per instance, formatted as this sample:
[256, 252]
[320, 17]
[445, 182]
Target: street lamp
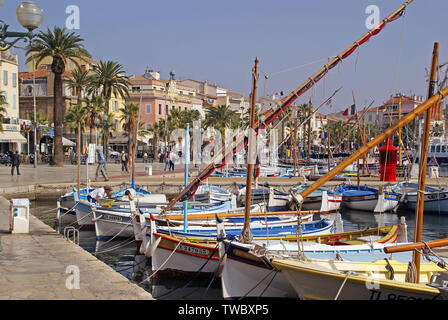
[30, 16]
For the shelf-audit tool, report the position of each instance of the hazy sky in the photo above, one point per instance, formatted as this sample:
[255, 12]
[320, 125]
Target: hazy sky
[217, 41]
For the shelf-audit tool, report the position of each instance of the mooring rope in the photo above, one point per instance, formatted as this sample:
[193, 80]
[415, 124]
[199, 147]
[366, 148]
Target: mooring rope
[166, 261]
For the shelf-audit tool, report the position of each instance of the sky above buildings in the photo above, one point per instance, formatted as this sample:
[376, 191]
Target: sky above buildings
[217, 42]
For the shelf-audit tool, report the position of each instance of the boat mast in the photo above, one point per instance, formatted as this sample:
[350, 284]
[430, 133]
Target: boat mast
[400, 161]
[423, 162]
[310, 106]
[246, 235]
[287, 101]
[133, 151]
[187, 162]
[374, 142]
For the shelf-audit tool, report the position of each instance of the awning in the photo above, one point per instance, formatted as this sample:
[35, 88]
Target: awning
[67, 143]
[12, 137]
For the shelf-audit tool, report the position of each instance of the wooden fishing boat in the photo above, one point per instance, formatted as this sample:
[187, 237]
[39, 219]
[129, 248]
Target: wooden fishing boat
[368, 199]
[67, 213]
[248, 271]
[275, 199]
[347, 280]
[208, 194]
[117, 222]
[274, 227]
[187, 254]
[323, 199]
[149, 203]
[435, 199]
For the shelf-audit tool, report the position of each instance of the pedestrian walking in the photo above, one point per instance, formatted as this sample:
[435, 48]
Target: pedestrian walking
[172, 159]
[167, 161]
[15, 163]
[101, 164]
[124, 162]
[145, 158]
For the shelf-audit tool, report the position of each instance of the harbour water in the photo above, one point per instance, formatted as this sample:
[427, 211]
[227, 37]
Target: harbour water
[121, 255]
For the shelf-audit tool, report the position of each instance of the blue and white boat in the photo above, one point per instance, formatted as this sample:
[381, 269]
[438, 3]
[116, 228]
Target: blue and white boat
[435, 201]
[66, 203]
[118, 222]
[209, 194]
[322, 199]
[275, 199]
[259, 229]
[368, 199]
[151, 203]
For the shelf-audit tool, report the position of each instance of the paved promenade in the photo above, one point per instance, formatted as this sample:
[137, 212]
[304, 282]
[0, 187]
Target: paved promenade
[34, 267]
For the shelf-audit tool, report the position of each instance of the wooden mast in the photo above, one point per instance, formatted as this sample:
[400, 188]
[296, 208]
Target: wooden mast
[246, 235]
[133, 152]
[309, 131]
[292, 96]
[400, 161]
[374, 142]
[78, 155]
[423, 162]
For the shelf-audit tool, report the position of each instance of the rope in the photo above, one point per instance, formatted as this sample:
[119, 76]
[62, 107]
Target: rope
[118, 246]
[166, 261]
[224, 256]
[193, 278]
[428, 251]
[411, 274]
[124, 228]
[342, 286]
[253, 288]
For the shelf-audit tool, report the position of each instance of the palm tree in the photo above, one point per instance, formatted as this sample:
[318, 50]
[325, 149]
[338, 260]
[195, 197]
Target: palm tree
[129, 113]
[107, 125]
[40, 120]
[75, 119]
[2, 109]
[109, 79]
[95, 107]
[220, 118]
[61, 47]
[80, 82]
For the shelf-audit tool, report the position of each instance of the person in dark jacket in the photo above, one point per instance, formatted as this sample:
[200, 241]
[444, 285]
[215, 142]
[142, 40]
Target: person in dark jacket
[15, 163]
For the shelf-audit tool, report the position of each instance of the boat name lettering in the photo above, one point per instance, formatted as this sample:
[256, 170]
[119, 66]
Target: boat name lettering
[437, 196]
[112, 218]
[376, 295]
[194, 250]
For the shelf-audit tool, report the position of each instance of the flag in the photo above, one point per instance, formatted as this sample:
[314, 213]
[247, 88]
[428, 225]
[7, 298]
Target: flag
[257, 169]
[324, 135]
[350, 111]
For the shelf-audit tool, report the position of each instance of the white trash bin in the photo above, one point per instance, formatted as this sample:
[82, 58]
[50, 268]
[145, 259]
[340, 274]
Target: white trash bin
[20, 216]
[148, 170]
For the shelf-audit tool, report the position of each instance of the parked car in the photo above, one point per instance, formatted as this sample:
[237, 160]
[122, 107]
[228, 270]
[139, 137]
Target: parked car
[113, 154]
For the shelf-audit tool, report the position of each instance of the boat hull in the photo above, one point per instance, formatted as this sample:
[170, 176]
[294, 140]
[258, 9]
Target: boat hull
[175, 259]
[311, 283]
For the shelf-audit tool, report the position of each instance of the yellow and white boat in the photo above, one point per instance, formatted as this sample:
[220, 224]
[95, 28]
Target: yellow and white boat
[346, 280]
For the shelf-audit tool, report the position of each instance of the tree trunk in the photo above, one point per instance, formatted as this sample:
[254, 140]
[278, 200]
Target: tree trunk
[91, 135]
[58, 114]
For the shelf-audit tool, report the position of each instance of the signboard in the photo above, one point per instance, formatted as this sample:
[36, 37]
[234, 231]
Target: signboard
[11, 127]
[91, 154]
